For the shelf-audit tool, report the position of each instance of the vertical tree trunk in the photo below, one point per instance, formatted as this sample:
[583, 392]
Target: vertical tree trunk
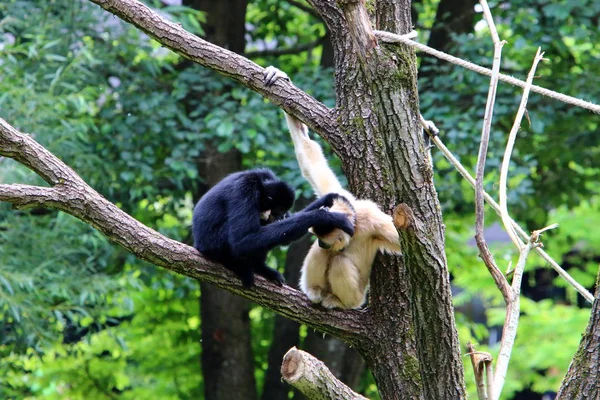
[583, 377]
[414, 353]
[227, 356]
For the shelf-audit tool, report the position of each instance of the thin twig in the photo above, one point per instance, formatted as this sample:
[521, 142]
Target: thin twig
[496, 207]
[482, 364]
[511, 322]
[484, 250]
[506, 220]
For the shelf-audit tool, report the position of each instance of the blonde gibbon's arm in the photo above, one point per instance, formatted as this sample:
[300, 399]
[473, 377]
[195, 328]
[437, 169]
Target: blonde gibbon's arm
[313, 163]
[385, 233]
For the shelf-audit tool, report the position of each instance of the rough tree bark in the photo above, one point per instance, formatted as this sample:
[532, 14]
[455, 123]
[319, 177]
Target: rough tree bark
[407, 335]
[583, 377]
[415, 346]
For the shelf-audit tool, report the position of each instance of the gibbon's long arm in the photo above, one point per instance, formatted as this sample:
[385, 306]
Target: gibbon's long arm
[313, 163]
[386, 235]
[249, 237]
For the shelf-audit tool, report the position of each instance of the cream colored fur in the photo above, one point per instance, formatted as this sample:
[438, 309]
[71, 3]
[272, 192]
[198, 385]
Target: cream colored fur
[340, 279]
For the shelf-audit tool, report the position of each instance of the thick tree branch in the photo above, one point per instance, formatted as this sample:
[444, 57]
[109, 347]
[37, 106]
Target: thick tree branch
[170, 34]
[73, 196]
[330, 13]
[359, 25]
[312, 377]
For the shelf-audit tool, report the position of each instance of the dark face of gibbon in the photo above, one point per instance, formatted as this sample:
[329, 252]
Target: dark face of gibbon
[276, 199]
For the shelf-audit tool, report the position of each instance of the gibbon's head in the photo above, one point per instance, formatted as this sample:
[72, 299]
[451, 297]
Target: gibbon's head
[337, 240]
[276, 198]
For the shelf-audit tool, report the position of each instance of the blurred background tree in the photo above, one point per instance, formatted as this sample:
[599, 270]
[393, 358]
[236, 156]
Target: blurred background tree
[152, 131]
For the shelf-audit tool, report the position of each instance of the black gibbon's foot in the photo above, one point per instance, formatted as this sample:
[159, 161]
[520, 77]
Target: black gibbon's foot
[270, 274]
[247, 277]
[272, 74]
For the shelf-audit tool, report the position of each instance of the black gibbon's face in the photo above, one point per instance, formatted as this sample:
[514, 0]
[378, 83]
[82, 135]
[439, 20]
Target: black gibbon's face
[276, 200]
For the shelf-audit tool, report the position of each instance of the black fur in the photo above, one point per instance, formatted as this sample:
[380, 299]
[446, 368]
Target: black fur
[227, 225]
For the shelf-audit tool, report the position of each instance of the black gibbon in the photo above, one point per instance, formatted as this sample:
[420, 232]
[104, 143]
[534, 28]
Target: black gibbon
[336, 271]
[245, 215]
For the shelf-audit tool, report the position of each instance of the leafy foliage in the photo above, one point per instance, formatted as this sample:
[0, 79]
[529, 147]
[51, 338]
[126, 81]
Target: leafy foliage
[81, 319]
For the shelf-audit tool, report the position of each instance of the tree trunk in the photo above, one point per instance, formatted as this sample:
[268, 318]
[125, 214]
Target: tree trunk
[583, 377]
[452, 17]
[227, 357]
[414, 352]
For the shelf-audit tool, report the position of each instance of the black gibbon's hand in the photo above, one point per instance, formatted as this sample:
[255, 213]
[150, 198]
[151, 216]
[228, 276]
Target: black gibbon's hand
[329, 221]
[324, 201]
[329, 198]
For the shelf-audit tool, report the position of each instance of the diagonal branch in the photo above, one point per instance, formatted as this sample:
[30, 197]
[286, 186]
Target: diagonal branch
[72, 195]
[484, 250]
[496, 207]
[170, 34]
[506, 220]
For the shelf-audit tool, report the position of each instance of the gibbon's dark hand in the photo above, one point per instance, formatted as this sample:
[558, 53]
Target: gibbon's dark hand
[329, 198]
[330, 220]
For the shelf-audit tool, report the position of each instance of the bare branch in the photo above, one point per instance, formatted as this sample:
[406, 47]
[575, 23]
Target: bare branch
[484, 250]
[481, 362]
[26, 196]
[73, 196]
[506, 220]
[284, 94]
[496, 207]
[22, 148]
[312, 377]
[511, 322]
[394, 38]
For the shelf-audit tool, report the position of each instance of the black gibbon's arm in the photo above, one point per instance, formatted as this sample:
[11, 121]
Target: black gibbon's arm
[248, 236]
[242, 217]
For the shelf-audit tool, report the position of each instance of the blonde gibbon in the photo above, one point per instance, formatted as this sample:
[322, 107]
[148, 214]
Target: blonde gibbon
[336, 271]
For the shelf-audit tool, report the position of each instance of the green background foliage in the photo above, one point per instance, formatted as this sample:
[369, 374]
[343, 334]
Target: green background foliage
[81, 318]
